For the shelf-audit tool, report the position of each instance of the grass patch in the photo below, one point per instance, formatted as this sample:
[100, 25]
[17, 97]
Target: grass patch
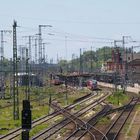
[78, 107]
[38, 129]
[137, 107]
[118, 98]
[104, 120]
[39, 107]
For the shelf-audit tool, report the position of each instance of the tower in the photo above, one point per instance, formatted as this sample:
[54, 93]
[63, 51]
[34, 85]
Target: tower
[15, 75]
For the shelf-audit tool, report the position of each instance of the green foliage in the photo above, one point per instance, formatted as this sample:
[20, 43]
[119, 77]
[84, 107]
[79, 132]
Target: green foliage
[37, 129]
[104, 120]
[104, 53]
[78, 107]
[90, 59]
[39, 107]
[118, 98]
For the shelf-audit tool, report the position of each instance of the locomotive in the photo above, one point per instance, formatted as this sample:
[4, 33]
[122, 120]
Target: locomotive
[56, 81]
[92, 84]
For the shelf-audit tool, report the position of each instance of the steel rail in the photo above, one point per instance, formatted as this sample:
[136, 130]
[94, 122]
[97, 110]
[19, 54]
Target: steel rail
[16, 133]
[66, 122]
[127, 110]
[90, 124]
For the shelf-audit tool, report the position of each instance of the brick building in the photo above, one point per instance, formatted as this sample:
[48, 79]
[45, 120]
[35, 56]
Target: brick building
[128, 64]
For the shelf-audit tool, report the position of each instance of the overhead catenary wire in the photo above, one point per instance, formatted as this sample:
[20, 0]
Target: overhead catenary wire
[77, 21]
[59, 36]
[76, 40]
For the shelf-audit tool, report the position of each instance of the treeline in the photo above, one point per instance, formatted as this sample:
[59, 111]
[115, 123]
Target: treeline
[88, 61]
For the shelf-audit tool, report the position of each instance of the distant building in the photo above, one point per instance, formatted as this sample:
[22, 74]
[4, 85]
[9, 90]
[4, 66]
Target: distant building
[104, 67]
[131, 56]
[33, 79]
[115, 63]
[134, 70]
[128, 64]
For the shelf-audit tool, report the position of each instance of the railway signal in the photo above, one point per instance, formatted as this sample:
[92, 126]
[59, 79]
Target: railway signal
[26, 115]
[26, 120]
[25, 135]
[26, 112]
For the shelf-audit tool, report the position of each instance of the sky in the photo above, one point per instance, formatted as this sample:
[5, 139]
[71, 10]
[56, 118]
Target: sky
[75, 23]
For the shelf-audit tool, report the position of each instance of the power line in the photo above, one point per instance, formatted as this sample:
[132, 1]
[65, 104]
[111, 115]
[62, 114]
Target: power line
[74, 21]
[76, 40]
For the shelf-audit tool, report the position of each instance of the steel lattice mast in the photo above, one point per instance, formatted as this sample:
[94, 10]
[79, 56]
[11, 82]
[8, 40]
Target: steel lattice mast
[27, 77]
[15, 75]
[40, 55]
[2, 79]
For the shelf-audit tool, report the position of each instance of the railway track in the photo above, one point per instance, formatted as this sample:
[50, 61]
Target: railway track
[32, 100]
[46, 134]
[15, 133]
[79, 124]
[98, 135]
[77, 134]
[115, 128]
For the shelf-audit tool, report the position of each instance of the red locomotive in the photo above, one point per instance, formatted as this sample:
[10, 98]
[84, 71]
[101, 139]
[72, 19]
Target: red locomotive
[56, 81]
[92, 84]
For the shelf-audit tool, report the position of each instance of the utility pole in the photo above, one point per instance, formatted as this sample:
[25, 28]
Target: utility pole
[124, 62]
[2, 45]
[28, 76]
[20, 50]
[40, 44]
[15, 75]
[1, 60]
[43, 52]
[91, 66]
[81, 62]
[35, 50]
[2, 41]
[104, 55]
[72, 65]
[44, 55]
[22, 58]
[66, 54]
[97, 60]
[35, 38]
[116, 62]
[11, 78]
[30, 53]
[125, 55]
[43, 61]
[40, 41]
[66, 46]
[132, 63]
[23, 53]
[30, 37]
[57, 58]
[115, 66]
[66, 86]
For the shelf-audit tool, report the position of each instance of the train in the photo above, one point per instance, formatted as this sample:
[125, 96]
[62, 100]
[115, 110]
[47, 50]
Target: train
[92, 84]
[56, 81]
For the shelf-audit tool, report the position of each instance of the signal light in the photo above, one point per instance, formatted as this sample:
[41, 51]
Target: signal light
[26, 115]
